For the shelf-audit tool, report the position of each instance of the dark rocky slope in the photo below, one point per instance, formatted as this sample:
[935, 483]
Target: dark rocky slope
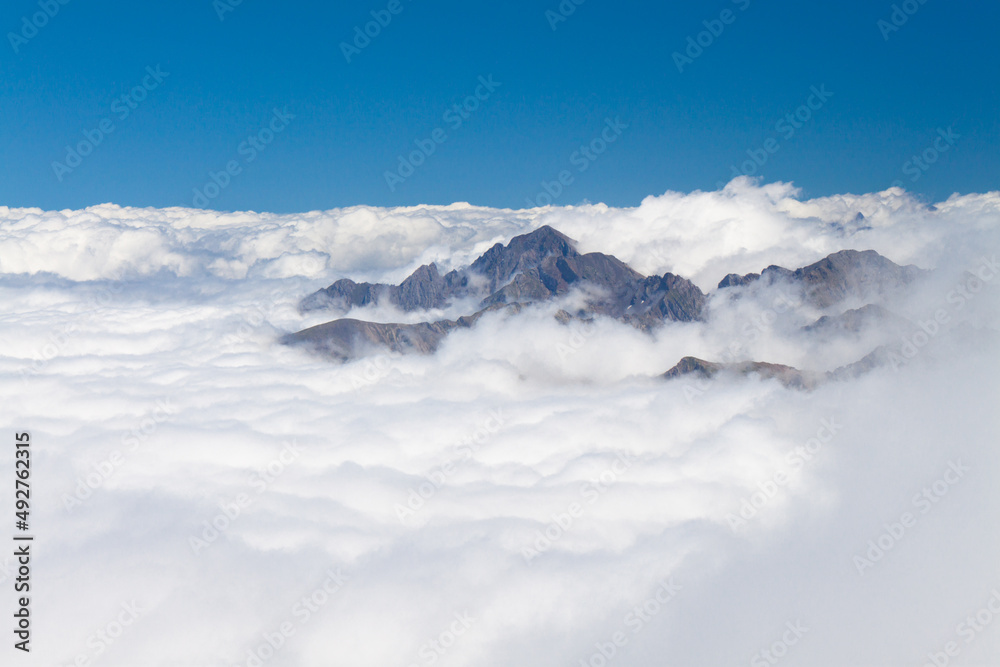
[786, 375]
[849, 273]
[532, 267]
[545, 264]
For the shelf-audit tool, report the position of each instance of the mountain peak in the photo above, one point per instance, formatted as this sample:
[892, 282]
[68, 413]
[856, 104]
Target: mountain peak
[544, 232]
[501, 263]
[864, 274]
[544, 264]
[786, 375]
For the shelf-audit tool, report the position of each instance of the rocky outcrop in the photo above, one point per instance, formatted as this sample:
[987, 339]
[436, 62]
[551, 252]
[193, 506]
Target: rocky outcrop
[531, 268]
[862, 275]
[877, 358]
[500, 264]
[850, 273]
[346, 338]
[736, 280]
[545, 265]
[853, 321]
[786, 375]
[425, 288]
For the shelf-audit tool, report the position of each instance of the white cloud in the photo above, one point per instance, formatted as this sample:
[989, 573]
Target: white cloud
[88, 361]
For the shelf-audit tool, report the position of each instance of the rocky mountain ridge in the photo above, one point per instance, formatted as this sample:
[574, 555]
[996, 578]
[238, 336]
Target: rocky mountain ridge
[545, 264]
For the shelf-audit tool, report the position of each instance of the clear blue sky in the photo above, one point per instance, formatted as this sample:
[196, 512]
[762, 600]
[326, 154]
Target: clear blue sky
[686, 130]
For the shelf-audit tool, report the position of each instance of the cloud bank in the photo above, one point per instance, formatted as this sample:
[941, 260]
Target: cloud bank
[534, 493]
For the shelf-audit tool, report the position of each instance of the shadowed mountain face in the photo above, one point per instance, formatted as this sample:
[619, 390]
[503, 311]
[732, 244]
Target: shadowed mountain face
[841, 276]
[736, 280]
[851, 273]
[426, 288]
[532, 267]
[500, 264]
[786, 375]
[346, 339]
[545, 264]
[848, 273]
[856, 321]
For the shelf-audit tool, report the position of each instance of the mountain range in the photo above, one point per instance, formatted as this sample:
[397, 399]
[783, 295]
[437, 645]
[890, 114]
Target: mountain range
[544, 264]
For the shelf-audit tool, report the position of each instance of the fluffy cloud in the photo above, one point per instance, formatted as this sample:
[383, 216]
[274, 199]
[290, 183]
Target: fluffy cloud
[701, 235]
[521, 496]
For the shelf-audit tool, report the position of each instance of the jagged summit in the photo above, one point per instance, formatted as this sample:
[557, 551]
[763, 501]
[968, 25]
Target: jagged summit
[544, 264]
[864, 274]
[786, 375]
[531, 267]
[501, 263]
[426, 288]
[347, 338]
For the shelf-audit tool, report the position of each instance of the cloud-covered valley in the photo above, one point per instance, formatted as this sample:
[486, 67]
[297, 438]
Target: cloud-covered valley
[534, 492]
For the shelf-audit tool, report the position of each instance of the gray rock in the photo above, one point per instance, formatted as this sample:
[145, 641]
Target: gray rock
[425, 288]
[736, 280]
[346, 338]
[545, 264]
[849, 273]
[856, 320]
[786, 375]
[531, 268]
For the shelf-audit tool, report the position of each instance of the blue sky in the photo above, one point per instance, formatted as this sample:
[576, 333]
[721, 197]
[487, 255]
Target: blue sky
[607, 69]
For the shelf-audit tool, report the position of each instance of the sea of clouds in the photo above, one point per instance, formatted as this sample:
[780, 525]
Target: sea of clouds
[533, 494]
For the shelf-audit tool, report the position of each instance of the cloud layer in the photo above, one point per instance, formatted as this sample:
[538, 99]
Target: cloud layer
[532, 494]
